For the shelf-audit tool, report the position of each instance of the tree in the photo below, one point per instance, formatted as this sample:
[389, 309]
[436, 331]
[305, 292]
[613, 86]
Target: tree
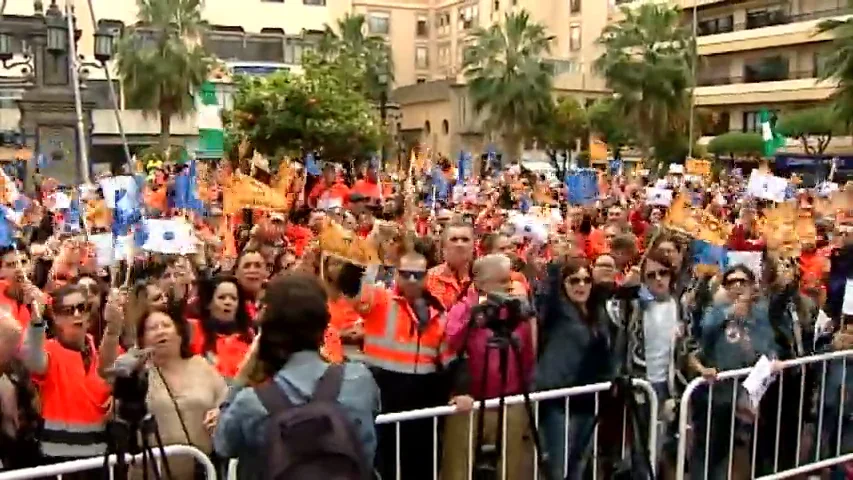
[508, 79]
[817, 124]
[162, 61]
[837, 65]
[737, 144]
[607, 123]
[287, 114]
[559, 130]
[370, 53]
[647, 62]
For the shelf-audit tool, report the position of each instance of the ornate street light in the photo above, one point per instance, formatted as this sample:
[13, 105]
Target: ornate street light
[57, 32]
[104, 44]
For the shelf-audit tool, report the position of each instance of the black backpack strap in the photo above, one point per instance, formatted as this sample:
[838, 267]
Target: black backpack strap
[272, 397]
[329, 385]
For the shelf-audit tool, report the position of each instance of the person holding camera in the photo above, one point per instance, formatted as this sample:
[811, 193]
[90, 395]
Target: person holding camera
[469, 336]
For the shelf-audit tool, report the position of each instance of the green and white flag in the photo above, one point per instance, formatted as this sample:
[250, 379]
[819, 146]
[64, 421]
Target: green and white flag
[772, 140]
[211, 138]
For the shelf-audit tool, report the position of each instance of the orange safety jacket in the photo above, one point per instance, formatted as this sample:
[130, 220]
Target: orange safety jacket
[230, 349]
[74, 402]
[399, 344]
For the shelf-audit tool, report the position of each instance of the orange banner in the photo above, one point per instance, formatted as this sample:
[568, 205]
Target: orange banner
[247, 192]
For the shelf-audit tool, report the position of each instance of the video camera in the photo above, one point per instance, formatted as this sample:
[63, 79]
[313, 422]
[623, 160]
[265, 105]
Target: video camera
[501, 313]
[130, 386]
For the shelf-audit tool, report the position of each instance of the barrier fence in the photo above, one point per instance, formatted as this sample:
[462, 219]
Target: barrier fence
[97, 463]
[725, 438]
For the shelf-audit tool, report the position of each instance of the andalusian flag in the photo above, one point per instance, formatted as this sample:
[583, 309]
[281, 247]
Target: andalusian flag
[772, 140]
[211, 139]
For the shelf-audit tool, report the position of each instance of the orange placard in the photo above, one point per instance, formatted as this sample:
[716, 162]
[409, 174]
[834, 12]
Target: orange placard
[247, 192]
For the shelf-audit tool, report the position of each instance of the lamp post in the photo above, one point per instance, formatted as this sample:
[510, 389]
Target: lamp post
[54, 120]
[383, 112]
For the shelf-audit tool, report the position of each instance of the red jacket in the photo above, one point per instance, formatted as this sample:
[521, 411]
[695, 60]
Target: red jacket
[739, 242]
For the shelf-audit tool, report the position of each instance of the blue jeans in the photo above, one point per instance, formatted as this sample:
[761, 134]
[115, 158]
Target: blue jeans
[555, 433]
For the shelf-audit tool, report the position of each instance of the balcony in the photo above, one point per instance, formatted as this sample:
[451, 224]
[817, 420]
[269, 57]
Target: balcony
[758, 87]
[767, 19]
[756, 75]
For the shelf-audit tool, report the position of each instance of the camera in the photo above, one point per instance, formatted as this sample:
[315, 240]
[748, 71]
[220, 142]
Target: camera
[130, 390]
[501, 313]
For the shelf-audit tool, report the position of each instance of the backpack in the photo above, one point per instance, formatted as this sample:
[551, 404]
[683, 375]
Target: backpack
[312, 440]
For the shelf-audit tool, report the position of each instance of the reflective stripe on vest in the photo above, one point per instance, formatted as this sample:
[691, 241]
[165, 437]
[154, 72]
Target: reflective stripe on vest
[63, 439]
[388, 353]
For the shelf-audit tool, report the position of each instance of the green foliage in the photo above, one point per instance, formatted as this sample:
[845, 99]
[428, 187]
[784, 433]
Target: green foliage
[647, 64]
[286, 114]
[161, 61]
[737, 144]
[607, 121]
[560, 128]
[818, 124]
[837, 65]
[369, 55]
[508, 77]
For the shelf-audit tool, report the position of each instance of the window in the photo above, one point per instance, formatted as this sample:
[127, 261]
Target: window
[575, 37]
[468, 17]
[427, 127]
[765, 18]
[818, 64]
[575, 6]
[445, 127]
[712, 26]
[421, 57]
[442, 23]
[225, 42]
[379, 23]
[421, 80]
[268, 46]
[319, 3]
[460, 52]
[496, 6]
[443, 55]
[422, 27]
[768, 69]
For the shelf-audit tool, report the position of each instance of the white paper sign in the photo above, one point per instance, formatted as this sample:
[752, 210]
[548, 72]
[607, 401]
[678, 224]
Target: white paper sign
[329, 203]
[103, 243]
[658, 196]
[751, 260]
[766, 186]
[676, 168]
[170, 237]
[759, 380]
[847, 306]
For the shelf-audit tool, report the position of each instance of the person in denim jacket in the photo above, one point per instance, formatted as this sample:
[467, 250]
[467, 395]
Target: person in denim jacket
[735, 333]
[287, 352]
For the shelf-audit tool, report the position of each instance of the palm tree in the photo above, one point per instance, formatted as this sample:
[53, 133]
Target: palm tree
[369, 52]
[647, 64]
[162, 61]
[838, 66]
[507, 77]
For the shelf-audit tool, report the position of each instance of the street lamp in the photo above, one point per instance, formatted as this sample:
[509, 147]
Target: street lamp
[104, 44]
[382, 79]
[57, 33]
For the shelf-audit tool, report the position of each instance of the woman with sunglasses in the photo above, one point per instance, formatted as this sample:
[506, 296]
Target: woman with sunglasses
[576, 349]
[734, 333]
[66, 368]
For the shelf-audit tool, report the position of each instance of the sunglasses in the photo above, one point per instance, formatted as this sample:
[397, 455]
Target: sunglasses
[657, 274]
[76, 309]
[736, 281]
[576, 281]
[412, 275]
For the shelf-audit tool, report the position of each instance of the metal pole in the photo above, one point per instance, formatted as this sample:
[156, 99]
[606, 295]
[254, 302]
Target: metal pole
[78, 103]
[113, 99]
[695, 61]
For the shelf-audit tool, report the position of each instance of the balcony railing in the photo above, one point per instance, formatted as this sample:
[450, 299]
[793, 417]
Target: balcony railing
[774, 18]
[755, 78]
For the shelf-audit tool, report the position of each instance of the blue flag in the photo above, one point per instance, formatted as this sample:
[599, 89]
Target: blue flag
[186, 196]
[7, 237]
[311, 166]
[705, 253]
[582, 186]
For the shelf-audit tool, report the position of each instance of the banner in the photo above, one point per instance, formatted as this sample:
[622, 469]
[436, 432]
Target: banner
[247, 192]
[698, 167]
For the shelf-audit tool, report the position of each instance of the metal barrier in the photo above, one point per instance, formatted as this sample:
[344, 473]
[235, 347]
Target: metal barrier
[436, 413]
[97, 463]
[712, 454]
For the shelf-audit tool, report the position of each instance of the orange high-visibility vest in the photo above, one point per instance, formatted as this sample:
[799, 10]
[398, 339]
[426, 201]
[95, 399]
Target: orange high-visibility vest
[230, 349]
[74, 403]
[398, 345]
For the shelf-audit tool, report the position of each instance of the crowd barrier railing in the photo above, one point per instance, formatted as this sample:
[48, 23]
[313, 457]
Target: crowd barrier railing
[739, 437]
[97, 463]
[437, 413]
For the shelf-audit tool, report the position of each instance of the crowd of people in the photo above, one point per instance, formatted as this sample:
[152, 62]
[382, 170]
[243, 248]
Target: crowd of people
[373, 293]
